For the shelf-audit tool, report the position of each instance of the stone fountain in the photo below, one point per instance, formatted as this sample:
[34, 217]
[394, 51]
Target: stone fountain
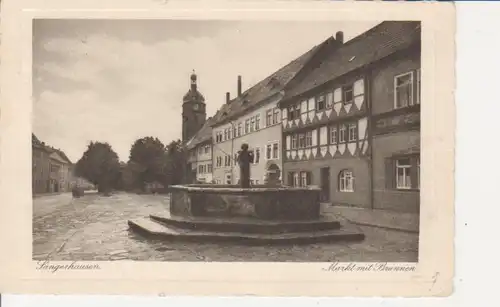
[261, 214]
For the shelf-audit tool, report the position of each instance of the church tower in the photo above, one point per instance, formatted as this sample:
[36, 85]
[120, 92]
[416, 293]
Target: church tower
[194, 112]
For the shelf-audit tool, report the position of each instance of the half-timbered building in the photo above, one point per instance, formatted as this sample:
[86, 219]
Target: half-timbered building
[347, 121]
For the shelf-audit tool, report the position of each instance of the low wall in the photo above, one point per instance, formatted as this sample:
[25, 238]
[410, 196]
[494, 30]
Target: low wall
[268, 203]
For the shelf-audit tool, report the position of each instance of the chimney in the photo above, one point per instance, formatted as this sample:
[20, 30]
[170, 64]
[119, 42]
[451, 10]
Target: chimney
[339, 37]
[239, 86]
[228, 97]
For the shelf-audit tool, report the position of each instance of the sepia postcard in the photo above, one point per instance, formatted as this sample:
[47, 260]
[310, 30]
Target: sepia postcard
[298, 148]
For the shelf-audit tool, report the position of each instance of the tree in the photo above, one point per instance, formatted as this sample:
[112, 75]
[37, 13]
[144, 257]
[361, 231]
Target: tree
[176, 163]
[100, 165]
[147, 160]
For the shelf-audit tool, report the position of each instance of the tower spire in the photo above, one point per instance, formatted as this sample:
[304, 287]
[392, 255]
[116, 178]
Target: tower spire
[193, 80]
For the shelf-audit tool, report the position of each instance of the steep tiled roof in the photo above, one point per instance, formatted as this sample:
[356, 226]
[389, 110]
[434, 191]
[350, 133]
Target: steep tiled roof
[266, 88]
[204, 134]
[380, 41]
[41, 145]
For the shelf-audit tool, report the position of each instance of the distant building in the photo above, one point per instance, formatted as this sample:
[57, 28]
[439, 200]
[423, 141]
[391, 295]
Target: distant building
[52, 171]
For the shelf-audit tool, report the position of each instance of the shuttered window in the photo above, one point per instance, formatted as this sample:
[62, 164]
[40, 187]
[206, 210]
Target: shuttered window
[402, 173]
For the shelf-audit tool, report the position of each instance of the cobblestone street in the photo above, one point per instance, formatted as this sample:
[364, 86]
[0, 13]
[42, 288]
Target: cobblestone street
[95, 228]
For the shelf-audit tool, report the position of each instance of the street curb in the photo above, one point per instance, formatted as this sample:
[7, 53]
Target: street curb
[382, 226]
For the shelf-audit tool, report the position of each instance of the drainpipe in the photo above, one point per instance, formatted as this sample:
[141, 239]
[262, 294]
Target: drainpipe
[369, 102]
[232, 152]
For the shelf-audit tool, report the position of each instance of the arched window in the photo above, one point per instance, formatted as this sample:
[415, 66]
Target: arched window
[346, 181]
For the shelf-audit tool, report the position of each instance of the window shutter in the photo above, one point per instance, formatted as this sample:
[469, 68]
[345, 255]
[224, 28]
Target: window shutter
[290, 179]
[413, 172]
[309, 178]
[390, 174]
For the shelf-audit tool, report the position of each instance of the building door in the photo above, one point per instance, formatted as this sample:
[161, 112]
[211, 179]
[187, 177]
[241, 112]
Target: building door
[325, 184]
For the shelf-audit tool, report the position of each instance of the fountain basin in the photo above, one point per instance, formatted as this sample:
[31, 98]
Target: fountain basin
[261, 202]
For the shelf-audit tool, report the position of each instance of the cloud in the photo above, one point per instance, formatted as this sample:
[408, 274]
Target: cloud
[102, 84]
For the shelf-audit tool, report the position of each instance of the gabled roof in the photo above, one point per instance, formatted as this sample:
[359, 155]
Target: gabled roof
[35, 142]
[264, 89]
[380, 41]
[270, 86]
[203, 135]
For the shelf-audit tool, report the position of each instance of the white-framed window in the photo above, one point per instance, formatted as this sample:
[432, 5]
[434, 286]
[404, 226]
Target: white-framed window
[352, 132]
[302, 140]
[257, 122]
[403, 90]
[269, 117]
[276, 116]
[346, 181]
[308, 138]
[256, 156]
[294, 112]
[342, 133]
[347, 94]
[269, 149]
[240, 125]
[303, 179]
[225, 135]
[247, 126]
[276, 151]
[252, 124]
[294, 141]
[333, 135]
[329, 100]
[403, 173]
[209, 168]
[320, 102]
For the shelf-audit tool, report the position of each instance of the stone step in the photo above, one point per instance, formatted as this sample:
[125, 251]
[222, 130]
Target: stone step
[246, 225]
[151, 229]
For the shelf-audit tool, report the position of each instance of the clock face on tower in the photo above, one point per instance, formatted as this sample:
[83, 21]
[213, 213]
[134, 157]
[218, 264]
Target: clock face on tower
[195, 106]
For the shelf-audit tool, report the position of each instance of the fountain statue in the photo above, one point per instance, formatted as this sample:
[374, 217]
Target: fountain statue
[243, 213]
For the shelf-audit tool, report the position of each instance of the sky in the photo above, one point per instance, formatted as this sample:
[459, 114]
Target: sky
[119, 80]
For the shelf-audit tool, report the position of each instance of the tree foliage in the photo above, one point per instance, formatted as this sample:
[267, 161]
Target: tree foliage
[147, 161]
[176, 163]
[100, 165]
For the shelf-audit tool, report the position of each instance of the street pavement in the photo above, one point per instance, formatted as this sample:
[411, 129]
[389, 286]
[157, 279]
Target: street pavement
[95, 228]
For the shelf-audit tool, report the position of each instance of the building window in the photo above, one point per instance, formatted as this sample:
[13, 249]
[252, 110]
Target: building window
[200, 169]
[333, 135]
[252, 124]
[228, 178]
[275, 151]
[403, 90]
[268, 151]
[342, 132]
[346, 181]
[225, 135]
[218, 161]
[302, 140]
[296, 180]
[247, 126]
[320, 103]
[209, 168]
[308, 138]
[353, 132]
[235, 134]
[294, 141]
[294, 112]
[348, 94]
[257, 122]
[257, 156]
[239, 128]
[403, 173]
[269, 117]
[207, 148]
[418, 86]
[276, 116]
